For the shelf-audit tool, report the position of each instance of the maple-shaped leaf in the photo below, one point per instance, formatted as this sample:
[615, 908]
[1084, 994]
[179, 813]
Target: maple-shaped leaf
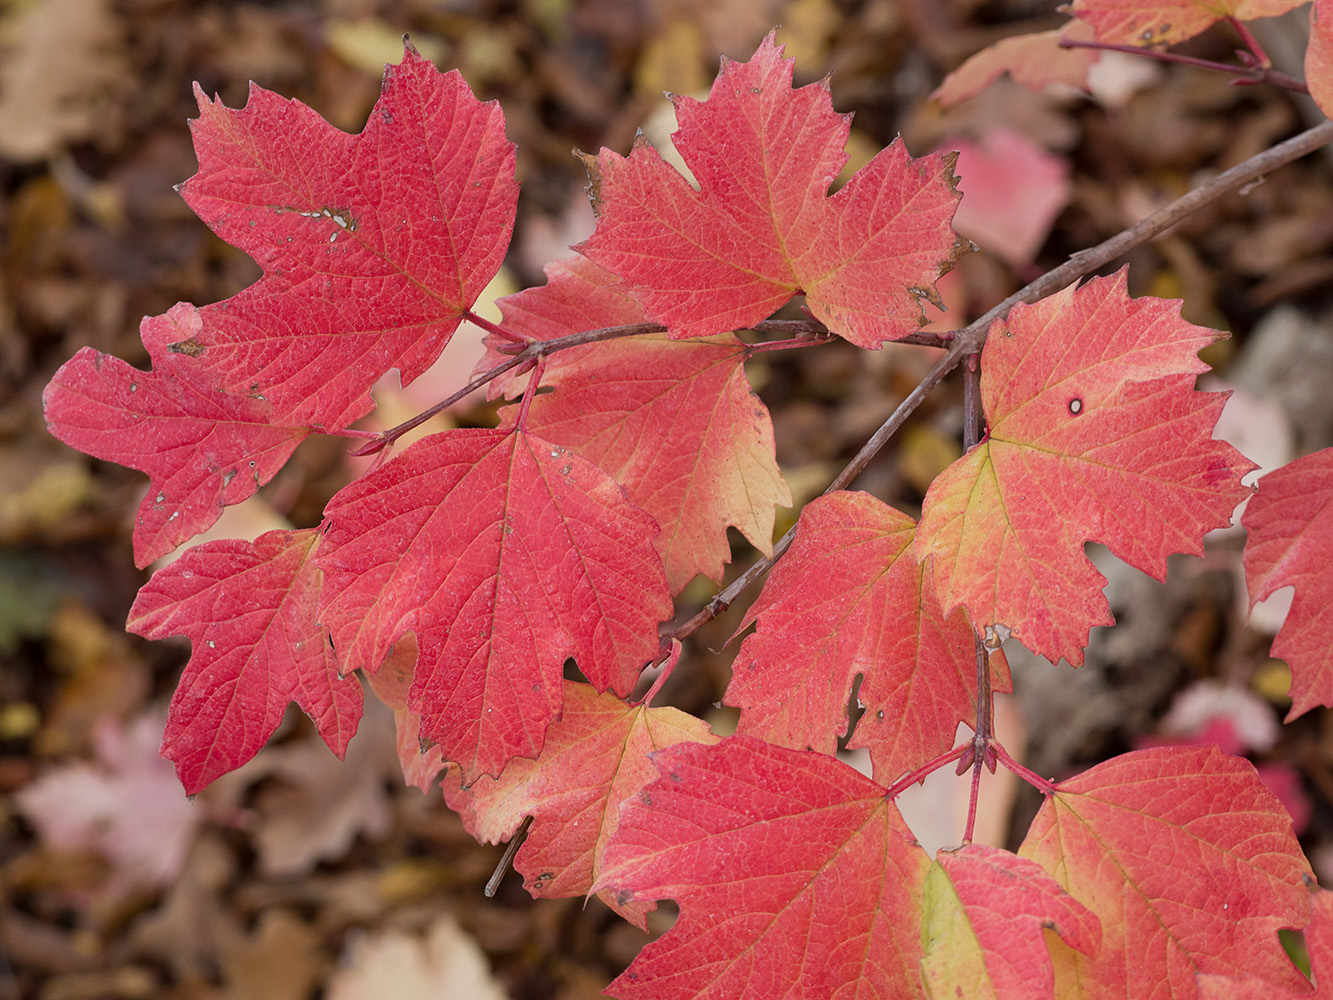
[761, 228]
[249, 611]
[1188, 860]
[795, 876]
[506, 555]
[372, 245]
[203, 448]
[1290, 544]
[848, 599]
[595, 758]
[1319, 945]
[1035, 61]
[673, 422]
[1319, 55]
[1166, 22]
[985, 910]
[1095, 433]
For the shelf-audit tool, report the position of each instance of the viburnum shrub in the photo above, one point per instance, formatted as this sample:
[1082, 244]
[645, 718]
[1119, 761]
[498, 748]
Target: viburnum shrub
[462, 572]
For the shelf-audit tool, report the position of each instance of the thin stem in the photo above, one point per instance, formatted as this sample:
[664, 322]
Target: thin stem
[528, 355]
[525, 352]
[494, 328]
[541, 348]
[984, 727]
[670, 656]
[926, 770]
[386, 438]
[790, 327]
[1251, 43]
[530, 391]
[809, 340]
[972, 415]
[983, 737]
[1248, 74]
[1086, 261]
[507, 858]
[796, 328]
[972, 801]
[1031, 777]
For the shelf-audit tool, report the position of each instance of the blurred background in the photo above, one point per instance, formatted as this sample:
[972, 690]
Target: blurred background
[298, 876]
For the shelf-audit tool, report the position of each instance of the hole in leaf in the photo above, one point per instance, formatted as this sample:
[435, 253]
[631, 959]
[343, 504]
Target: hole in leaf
[1076, 406]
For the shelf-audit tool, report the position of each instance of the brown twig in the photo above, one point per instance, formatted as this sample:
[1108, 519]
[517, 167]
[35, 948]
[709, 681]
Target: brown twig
[507, 858]
[983, 728]
[802, 333]
[971, 338]
[1244, 74]
[524, 355]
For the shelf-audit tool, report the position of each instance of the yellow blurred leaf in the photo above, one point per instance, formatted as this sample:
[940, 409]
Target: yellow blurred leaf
[924, 454]
[370, 43]
[1272, 682]
[672, 61]
[807, 28]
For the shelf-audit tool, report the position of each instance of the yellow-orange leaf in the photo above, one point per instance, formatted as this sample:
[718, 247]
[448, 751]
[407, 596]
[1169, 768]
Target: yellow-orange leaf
[1189, 861]
[1096, 433]
[595, 758]
[1166, 22]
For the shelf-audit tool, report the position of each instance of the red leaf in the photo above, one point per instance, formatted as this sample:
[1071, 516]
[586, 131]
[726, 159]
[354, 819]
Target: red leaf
[1290, 544]
[1095, 434]
[1318, 942]
[595, 758]
[505, 554]
[203, 449]
[847, 599]
[675, 423]
[1166, 22]
[249, 610]
[795, 876]
[1188, 860]
[1319, 55]
[985, 910]
[761, 228]
[372, 245]
[1036, 61]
